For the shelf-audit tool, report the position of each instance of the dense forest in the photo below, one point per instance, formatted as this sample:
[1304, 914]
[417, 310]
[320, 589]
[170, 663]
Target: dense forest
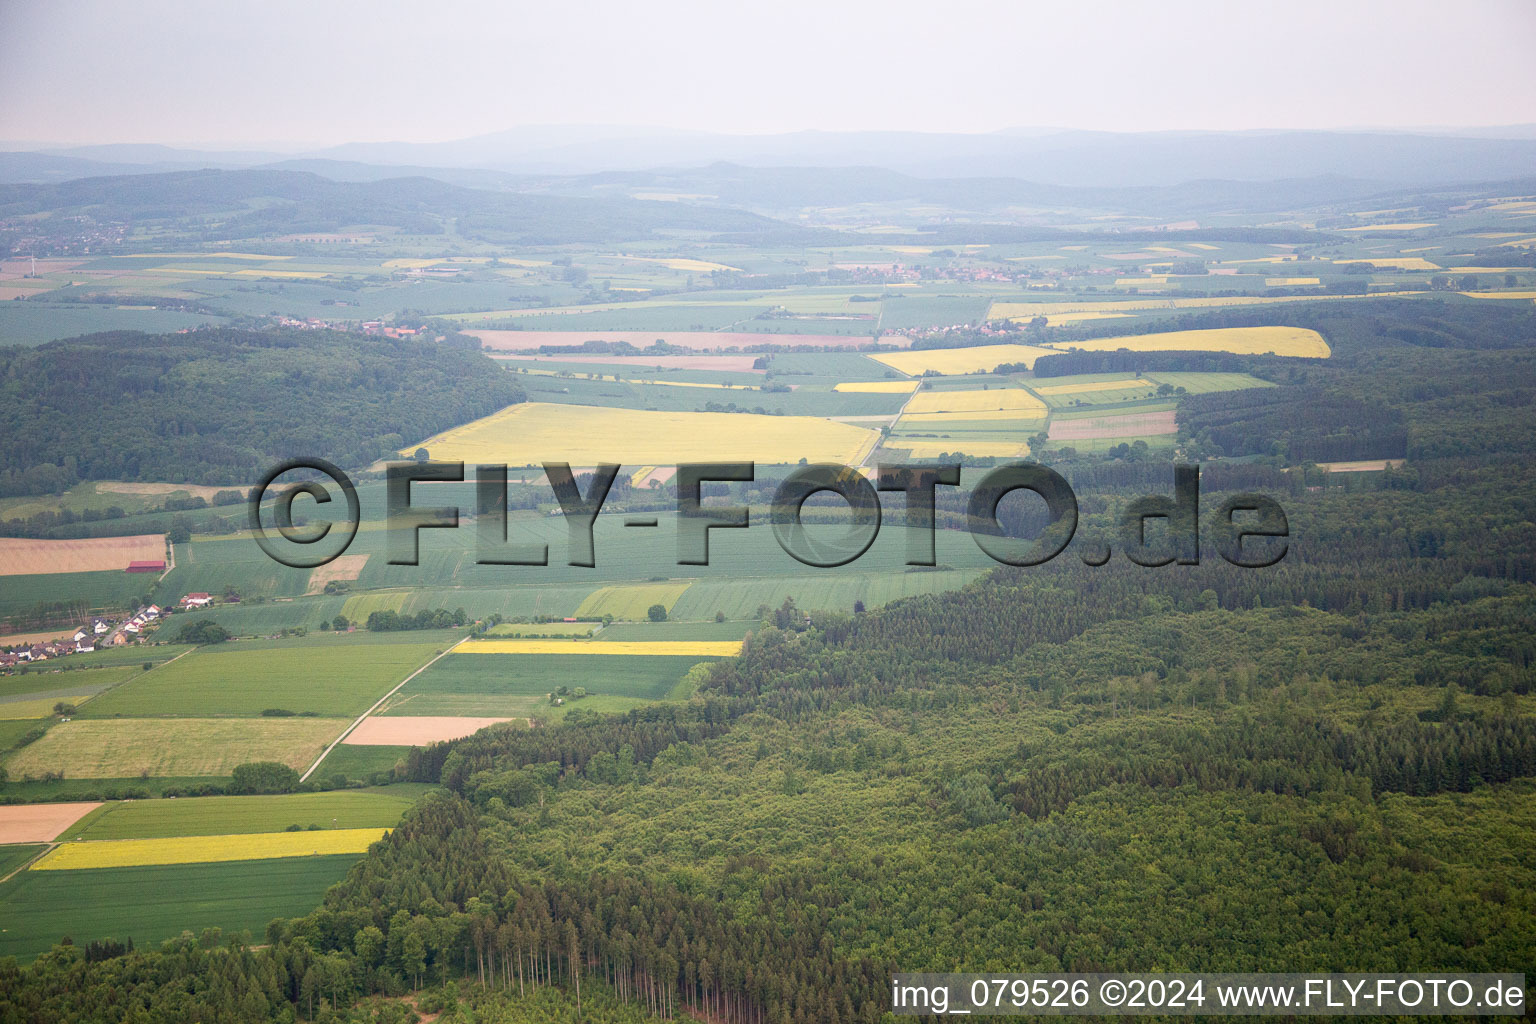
[1328, 764]
[208, 406]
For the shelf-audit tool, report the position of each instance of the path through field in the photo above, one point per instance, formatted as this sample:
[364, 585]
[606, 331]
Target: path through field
[348, 730]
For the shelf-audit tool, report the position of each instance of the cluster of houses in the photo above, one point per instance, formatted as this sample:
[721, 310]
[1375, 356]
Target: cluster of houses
[96, 634]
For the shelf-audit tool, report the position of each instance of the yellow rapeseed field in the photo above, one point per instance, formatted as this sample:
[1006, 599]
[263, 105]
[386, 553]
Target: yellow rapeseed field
[877, 387]
[650, 648]
[977, 405]
[1289, 282]
[132, 853]
[978, 359]
[535, 432]
[1141, 282]
[1102, 385]
[1282, 341]
[1500, 295]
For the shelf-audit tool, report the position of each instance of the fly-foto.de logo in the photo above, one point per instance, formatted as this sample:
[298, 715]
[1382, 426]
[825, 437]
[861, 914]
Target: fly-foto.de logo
[1247, 530]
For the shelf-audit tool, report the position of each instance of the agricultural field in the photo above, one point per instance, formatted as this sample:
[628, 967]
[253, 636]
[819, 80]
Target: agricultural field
[14, 856]
[605, 648]
[359, 762]
[877, 387]
[39, 707]
[1111, 426]
[417, 730]
[126, 748]
[206, 849]
[26, 557]
[150, 904]
[108, 591]
[1203, 383]
[824, 591]
[1281, 341]
[40, 823]
[58, 676]
[946, 361]
[1081, 387]
[536, 432]
[992, 404]
[238, 678]
[652, 631]
[505, 685]
[233, 815]
[544, 629]
[948, 446]
[631, 602]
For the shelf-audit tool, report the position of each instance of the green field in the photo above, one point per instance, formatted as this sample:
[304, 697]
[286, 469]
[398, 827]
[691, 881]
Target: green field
[490, 684]
[41, 684]
[15, 855]
[267, 618]
[151, 904]
[236, 815]
[359, 762]
[33, 323]
[449, 577]
[631, 602]
[92, 591]
[1201, 383]
[245, 678]
[741, 599]
[678, 630]
[154, 654]
[142, 748]
[544, 629]
[12, 730]
[809, 400]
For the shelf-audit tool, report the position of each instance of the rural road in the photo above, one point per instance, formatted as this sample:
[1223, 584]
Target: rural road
[359, 720]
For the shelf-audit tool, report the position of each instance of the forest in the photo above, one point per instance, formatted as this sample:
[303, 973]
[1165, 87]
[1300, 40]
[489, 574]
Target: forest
[1327, 764]
[207, 406]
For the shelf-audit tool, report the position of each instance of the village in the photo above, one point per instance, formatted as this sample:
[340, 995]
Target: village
[98, 634]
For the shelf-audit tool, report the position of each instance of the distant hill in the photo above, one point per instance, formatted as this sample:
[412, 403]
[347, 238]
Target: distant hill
[255, 203]
[1048, 156]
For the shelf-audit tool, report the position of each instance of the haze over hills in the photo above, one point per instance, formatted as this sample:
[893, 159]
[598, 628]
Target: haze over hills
[1052, 157]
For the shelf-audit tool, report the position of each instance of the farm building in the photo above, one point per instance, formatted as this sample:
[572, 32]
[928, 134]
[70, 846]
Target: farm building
[146, 566]
[198, 600]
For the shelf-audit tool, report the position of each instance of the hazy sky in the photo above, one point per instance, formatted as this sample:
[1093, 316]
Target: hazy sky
[316, 72]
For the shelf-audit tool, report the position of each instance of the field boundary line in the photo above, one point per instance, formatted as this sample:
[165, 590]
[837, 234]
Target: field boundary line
[45, 851]
[895, 421]
[359, 720]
